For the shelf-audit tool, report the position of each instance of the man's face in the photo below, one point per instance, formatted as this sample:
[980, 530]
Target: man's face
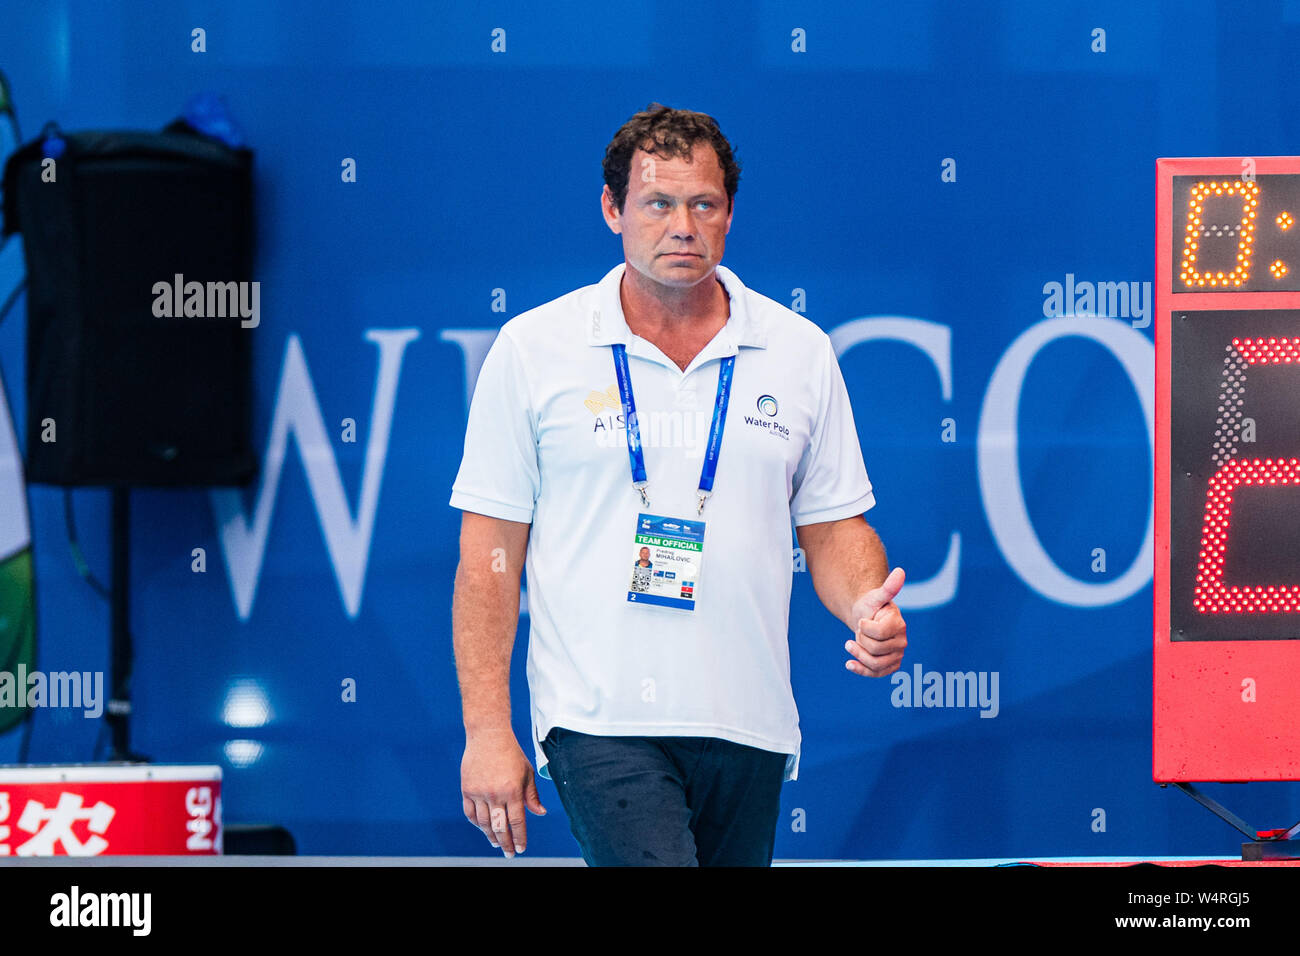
[645, 554]
[675, 220]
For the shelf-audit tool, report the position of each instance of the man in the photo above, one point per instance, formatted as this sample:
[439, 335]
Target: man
[664, 714]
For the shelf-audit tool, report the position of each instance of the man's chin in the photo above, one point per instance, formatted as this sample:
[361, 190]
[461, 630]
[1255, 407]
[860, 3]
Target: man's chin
[688, 273]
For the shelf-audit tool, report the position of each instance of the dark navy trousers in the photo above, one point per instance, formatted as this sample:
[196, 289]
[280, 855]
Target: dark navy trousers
[667, 801]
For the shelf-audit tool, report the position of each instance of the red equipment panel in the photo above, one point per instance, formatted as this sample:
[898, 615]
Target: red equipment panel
[110, 810]
[1227, 470]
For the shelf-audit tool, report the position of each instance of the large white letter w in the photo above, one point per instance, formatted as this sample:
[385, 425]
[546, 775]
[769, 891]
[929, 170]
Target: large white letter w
[297, 411]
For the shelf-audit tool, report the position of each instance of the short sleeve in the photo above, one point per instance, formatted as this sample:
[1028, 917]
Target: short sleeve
[499, 475]
[831, 481]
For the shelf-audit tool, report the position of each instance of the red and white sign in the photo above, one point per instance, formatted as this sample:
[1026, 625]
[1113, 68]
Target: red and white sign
[110, 810]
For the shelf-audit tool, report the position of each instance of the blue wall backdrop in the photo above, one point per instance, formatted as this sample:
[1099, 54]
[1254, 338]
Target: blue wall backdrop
[479, 170]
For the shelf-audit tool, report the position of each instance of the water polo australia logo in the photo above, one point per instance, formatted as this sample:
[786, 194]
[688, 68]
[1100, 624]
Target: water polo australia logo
[767, 405]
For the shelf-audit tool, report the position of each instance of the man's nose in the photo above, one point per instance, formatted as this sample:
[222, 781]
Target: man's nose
[682, 223]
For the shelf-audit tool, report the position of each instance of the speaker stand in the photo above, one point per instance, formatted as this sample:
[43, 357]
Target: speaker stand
[120, 652]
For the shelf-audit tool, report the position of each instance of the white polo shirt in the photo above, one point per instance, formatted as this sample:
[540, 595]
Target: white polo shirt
[545, 444]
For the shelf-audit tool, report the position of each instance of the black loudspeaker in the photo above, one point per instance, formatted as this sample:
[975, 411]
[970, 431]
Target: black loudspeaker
[139, 276]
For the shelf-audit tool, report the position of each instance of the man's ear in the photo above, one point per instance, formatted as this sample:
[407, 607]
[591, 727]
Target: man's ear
[609, 210]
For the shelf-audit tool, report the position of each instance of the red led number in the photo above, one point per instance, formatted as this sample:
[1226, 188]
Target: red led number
[1211, 596]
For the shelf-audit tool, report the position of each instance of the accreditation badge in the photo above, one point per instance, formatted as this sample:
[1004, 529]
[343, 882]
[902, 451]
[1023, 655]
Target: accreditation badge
[666, 559]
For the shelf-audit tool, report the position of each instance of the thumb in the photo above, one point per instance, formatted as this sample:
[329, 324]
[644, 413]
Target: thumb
[879, 597]
[531, 798]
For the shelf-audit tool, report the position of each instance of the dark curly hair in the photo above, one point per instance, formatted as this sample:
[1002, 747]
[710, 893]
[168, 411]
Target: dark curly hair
[666, 133]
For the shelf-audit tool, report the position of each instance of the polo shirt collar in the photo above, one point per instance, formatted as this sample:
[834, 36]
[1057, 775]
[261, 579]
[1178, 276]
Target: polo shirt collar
[607, 325]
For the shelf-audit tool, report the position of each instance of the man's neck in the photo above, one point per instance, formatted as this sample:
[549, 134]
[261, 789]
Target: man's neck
[652, 310]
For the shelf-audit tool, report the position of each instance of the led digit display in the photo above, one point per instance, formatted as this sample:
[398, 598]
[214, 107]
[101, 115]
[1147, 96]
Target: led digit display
[1235, 470]
[1202, 227]
[1235, 235]
[1226, 606]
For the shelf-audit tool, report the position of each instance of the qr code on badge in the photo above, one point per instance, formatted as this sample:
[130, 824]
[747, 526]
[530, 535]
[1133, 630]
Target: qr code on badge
[641, 579]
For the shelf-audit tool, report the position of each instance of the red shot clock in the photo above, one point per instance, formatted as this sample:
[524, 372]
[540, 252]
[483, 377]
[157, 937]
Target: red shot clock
[1227, 470]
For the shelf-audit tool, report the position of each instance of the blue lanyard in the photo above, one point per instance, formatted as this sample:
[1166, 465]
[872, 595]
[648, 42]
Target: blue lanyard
[711, 452]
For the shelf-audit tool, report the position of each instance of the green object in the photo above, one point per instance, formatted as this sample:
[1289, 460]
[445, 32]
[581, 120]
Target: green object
[17, 628]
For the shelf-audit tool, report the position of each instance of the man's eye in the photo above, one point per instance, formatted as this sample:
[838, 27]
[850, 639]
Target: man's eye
[657, 202]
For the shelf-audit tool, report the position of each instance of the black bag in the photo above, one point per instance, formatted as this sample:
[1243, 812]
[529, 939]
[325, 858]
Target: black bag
[130, 397]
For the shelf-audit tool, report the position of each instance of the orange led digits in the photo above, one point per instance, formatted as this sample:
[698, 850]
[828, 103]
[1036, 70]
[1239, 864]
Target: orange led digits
[1284, 221]
[1278, 269]
[1249, 193]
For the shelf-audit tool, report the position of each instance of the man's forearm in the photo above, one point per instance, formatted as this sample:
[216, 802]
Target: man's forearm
[845, 559]
[484, 618]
